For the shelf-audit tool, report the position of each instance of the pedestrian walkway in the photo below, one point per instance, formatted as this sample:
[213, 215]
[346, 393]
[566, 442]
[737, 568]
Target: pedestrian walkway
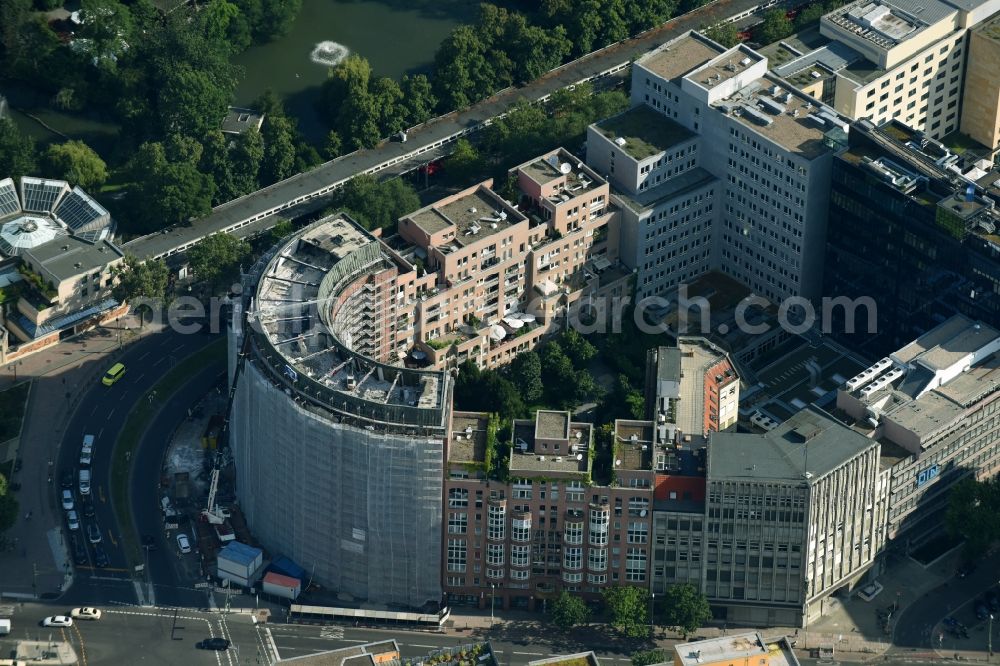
[32, 566]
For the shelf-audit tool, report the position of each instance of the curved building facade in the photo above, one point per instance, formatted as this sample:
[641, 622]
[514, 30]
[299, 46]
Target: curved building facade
[339, 457]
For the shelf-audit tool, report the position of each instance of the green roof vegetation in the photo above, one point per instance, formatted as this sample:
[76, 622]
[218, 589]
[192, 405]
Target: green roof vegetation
[646, 133]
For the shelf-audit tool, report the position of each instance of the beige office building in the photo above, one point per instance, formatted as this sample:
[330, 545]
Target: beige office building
[981, 104]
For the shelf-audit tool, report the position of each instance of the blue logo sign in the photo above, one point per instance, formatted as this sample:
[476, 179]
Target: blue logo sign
[927, 475]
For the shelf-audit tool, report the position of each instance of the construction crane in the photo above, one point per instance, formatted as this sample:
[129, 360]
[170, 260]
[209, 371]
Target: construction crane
[212, 513]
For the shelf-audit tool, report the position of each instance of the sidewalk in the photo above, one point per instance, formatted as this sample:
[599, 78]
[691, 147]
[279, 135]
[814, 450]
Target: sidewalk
[38, 562]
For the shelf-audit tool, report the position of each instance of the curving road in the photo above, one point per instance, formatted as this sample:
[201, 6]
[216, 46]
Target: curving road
[102, 413]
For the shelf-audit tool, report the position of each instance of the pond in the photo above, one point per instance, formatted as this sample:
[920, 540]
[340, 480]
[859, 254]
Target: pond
[395, 36]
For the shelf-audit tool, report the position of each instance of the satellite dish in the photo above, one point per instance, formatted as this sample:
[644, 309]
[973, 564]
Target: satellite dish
[618, 463]
[642, 514]
[565, 167]
[579, 456]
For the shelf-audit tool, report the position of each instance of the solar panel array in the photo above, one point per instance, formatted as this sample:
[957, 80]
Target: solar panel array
[41, 195]
[9, 203]
[77, 210]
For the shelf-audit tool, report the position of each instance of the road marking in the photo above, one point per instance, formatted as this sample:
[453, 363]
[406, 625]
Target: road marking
[100, 493]
[83, 648]
[100, 433]
[143, 356]
[533, 654]
[112, 537]
[433, 647]
[331, 632]
[110, 414]
[139, 378]
[84, 566]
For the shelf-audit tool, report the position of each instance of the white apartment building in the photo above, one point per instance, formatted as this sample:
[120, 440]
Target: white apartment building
[884, 59]
[734, 177]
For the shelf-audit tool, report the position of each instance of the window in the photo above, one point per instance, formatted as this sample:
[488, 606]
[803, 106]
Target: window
[458, 497]
[519, 556]
[519, 575]
[494, 573]
[520, 530]
[597, 559]
[456, 555]
[635, 564]
[574, 491]
[494, 554]
[495, 523]
[638, 532]
[522, 490]
[457, 523]
[597, 579]
[574, 533]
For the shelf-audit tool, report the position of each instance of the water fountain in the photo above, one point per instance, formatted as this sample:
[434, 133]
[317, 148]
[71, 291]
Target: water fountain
[329, 54]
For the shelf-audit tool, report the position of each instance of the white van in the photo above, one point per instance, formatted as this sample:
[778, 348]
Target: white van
[87, 450]
[84, 481]
[4, 627]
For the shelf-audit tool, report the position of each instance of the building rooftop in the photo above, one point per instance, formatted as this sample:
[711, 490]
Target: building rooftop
[642, 132]
[239, 120]
[551, 443]
[677, 186]
[785, 115]
[680, 56]
[561, 165]
[634, 445]
[697, 356]
[887, 23]
[808, 445]
[478, 214]
[742, 648]
[725, 66]
[946, 344]
[990, 28]
[70, 256]
[579, 659]
[370, 654]
[468, 437]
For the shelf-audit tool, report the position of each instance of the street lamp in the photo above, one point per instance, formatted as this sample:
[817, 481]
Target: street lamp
[493, 588]
[989, 640]
[652, 614]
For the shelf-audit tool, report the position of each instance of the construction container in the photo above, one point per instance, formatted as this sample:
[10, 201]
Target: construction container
[281, 586]
[240, 563]
[286, 567]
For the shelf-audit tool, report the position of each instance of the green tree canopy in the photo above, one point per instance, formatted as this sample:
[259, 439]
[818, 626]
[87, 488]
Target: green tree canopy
[170, 187]
[724, 33]
[775, 26]
[418, 98]
[76, 162]
[687, 609]
[974, 514]
[464, 161]
[526, 373]
[568, 611]
[218, 257]
[140, 280]
[378, 204]
[649, 657]
[17, 151]
[628, 610]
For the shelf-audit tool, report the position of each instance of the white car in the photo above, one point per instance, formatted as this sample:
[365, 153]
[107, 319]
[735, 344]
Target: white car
[67, 500]
[86, 613]
[57, 621]
[72, 520]
[183, 543]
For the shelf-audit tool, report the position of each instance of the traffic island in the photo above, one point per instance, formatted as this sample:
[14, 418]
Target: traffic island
[135, 427]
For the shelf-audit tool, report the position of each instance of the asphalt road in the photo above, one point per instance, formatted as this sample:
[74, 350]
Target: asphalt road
[919, 629]
[102, 413]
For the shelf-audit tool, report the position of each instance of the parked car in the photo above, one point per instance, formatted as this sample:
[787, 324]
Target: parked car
[94, 533]
[84, 481]
[114, 373]
[57, 621]
[88, 509]
[67, 499]
[72, 521]
[86, 613]
[100, 557]
[68, 480]
[213, 644]
[183, 543]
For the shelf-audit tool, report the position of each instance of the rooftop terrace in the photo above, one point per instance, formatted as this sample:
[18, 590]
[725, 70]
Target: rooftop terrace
[634, 444]
[741, 648]
[568, 453]
[645, 132]
[562, 165]
[476, 215]
[468, 437]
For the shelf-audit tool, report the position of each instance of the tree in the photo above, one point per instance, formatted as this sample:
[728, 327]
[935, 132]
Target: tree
[388, 99]
[136, 279]
[280, 230]
[724, 33]
[76, 162]
[463, 69]
[628, 610]
[557, 374]
[974, 514]
[464, 161]
[526, 373]
[577, 347]
[216, 163]
[17, 151]
[217, 256]
[418, 98]
[377, 204]
[194, 101]
[222, 22]
[649, 657]
[170, 187]
[774, 27]
[278, 160]
[334, 145]
[687, 609]
[270, 19]
[8, 506]
[246, 158]
[568, 611]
